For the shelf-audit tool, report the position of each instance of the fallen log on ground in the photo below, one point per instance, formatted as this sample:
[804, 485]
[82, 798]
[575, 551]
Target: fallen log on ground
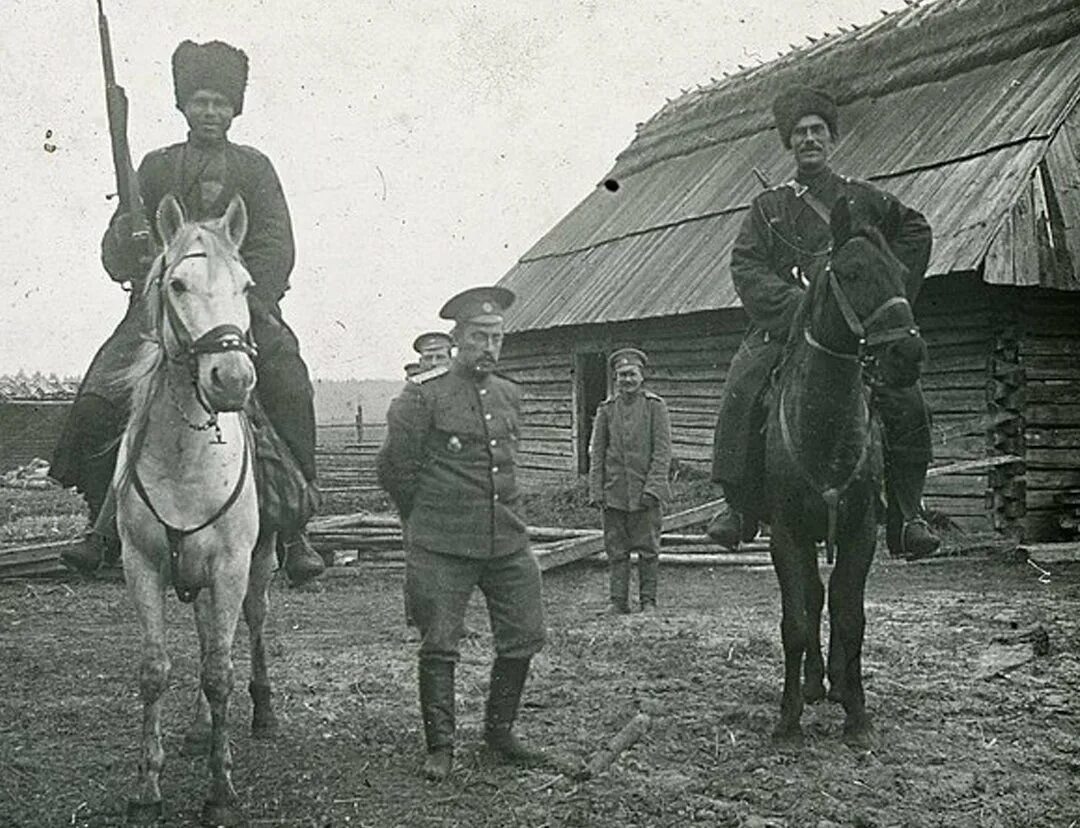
[624, 739]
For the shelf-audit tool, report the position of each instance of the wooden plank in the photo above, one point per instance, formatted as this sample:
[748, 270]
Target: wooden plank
[34, 559]
[1056, 479]
[578, 548]
[1053, 458]
[1052, 391]
[956, 400]
[1052, 438]
[1048, 414]
[981, 464]
[1049, 552]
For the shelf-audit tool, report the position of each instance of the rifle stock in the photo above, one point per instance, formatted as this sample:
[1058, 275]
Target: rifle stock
[116, 105]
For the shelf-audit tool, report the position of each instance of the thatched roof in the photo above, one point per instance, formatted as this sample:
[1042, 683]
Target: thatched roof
[950, 105]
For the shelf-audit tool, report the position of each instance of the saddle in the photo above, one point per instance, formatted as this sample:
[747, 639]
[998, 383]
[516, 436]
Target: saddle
[287, 501]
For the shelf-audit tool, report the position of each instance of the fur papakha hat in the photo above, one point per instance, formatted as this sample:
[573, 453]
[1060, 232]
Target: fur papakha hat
[215, 65]
[792, 104]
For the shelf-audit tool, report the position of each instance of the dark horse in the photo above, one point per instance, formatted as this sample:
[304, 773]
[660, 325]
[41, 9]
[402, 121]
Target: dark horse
[854, 329]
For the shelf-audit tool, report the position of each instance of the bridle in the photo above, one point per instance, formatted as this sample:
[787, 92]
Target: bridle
[219, 339]
[870, 340]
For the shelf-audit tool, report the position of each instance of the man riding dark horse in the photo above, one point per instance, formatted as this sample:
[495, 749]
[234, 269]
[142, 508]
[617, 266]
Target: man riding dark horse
[204, 173]
[782, 247]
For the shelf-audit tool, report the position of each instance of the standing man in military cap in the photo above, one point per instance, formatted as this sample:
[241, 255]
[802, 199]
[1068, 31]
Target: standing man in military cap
[782, 247]
[433, 348]
[629, 462]
[448, 464]
[204, 173]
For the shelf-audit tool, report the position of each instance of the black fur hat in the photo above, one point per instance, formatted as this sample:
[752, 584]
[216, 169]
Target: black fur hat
[792, 104]
[214, 65]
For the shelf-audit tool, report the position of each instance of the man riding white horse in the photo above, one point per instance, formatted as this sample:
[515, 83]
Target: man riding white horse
[203, 173]
[783, 245]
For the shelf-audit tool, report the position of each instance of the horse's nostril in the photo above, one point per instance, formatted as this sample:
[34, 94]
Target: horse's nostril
[215, 377]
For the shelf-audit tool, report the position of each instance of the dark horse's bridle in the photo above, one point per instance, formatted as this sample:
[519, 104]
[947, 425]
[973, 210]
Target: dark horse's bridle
[218, 340]
[869, 340]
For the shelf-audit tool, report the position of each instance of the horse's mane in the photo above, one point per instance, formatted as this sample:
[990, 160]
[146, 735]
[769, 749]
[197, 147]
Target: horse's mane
[145, 377]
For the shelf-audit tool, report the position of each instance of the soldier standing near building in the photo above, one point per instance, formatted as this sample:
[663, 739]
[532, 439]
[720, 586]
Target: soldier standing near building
[448, 464]
[629, 463]
[204, 173]
[784, 245]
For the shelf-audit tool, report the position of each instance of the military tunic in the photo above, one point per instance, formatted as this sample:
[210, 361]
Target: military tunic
[448, 464]
[782, 246]
[630, 457]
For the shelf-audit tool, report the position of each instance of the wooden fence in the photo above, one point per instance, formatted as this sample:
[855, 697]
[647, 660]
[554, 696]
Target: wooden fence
[345, 456]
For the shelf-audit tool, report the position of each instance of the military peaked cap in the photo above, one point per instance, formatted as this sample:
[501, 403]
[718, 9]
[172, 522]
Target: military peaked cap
[478, 304]
[432, 339]
[216, 66]
[628, 356]
[798, 101]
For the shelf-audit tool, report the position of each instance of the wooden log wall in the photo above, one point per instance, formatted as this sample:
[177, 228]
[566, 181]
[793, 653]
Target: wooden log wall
[1049, 355]
[543, 365]
[956, 315]
[1002, 378]
[688, 360]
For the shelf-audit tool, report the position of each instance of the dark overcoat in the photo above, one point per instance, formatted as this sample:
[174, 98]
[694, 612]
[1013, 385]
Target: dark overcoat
[782, 246]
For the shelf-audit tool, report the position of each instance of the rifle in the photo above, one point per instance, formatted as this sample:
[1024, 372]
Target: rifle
[116, 104]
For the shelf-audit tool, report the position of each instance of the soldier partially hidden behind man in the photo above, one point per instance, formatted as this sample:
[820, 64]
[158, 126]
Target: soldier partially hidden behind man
[629, 462]
[204, 173]
[448, 464]
[783, 246]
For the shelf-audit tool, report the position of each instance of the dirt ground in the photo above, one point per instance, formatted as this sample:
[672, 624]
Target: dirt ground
[952, 749]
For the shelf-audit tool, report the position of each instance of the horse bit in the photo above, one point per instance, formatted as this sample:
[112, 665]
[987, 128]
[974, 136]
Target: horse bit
[218, 340]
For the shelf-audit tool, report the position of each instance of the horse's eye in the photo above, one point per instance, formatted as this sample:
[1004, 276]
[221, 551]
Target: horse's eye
[176, 286]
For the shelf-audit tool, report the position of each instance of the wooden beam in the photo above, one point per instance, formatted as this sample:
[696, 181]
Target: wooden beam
[1049, 552]
[575, 549]
[34, 559]
[974, 465]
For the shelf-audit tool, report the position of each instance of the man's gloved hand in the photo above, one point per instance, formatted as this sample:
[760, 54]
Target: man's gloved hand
[131, 258]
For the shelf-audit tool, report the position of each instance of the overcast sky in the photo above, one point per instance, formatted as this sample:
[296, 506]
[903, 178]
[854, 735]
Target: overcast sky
[423, 145]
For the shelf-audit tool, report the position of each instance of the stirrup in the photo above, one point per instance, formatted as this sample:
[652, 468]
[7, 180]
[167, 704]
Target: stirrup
[915, 554]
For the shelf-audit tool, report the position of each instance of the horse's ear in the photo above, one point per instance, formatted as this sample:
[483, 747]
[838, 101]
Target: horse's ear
[236, 221]
[169, 219]
[840, 222]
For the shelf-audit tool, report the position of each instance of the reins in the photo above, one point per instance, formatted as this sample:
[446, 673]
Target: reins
[864, 359]
[219, 339]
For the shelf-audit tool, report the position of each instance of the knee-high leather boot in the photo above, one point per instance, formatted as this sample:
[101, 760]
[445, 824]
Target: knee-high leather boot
[437, 711]
[507, 683]
[907, 533]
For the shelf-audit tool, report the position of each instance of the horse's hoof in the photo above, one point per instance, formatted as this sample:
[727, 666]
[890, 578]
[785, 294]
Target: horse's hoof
[836, 695]
[859, 737]
[813, 692]
[264, 727]
[144, 813]
[195, 744]
[787, 737]
[222, 813]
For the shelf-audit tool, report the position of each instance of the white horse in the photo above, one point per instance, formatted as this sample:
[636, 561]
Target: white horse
[187, 510]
